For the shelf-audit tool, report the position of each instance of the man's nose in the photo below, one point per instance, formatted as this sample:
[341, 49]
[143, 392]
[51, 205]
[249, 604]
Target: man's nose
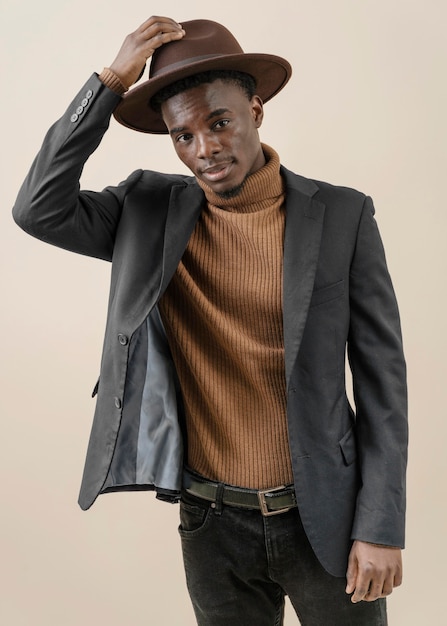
[207, 146]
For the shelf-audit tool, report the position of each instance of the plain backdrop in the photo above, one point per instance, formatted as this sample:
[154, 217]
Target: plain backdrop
[365, 108]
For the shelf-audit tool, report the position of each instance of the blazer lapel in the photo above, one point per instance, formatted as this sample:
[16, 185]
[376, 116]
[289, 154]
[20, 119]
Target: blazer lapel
[185, 206]
[304, 222]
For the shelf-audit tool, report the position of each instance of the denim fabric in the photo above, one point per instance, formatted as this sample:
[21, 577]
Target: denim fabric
[240, 565]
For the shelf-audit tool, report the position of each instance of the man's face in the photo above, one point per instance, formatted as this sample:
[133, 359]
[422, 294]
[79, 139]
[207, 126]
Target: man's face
[214, 129]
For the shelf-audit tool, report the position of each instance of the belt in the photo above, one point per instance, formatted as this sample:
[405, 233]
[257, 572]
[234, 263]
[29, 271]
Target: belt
[268, 501]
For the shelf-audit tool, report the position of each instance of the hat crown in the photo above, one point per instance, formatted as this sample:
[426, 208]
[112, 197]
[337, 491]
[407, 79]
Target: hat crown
[203, 39]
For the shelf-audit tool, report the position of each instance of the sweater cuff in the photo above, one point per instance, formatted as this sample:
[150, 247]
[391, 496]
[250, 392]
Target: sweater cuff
[111, 80]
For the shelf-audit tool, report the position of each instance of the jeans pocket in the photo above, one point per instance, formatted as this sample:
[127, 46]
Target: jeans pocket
[193, 518]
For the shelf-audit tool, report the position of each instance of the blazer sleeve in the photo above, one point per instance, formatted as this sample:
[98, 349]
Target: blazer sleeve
[379, 381]
[50, 205]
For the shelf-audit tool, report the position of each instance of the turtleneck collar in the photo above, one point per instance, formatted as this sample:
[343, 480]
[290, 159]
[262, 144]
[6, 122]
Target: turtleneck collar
[260, 190]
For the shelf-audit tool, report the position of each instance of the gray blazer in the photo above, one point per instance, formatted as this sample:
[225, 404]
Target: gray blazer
[349, 467]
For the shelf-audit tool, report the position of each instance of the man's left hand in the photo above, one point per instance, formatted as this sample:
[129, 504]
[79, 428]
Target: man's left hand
[373, 571]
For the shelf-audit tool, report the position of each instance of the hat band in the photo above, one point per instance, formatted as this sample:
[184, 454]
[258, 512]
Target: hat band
[186, 62]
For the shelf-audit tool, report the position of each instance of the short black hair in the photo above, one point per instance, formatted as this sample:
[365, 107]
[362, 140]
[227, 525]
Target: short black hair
[243, 80]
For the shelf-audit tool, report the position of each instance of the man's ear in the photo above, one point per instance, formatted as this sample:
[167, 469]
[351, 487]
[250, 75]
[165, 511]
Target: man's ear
[257, 110]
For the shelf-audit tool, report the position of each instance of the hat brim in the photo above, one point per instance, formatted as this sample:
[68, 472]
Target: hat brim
[134, 111]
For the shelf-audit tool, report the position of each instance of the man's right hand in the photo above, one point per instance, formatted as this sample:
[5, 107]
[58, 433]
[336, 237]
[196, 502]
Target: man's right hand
[141, 44]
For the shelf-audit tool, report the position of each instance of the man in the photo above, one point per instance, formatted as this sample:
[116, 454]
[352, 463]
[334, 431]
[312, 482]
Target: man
[234, 295]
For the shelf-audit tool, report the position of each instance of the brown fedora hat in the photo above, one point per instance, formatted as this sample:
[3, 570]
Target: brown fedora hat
[206, 46]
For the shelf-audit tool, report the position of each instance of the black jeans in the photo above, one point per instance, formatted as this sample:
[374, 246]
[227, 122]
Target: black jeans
[240, 565]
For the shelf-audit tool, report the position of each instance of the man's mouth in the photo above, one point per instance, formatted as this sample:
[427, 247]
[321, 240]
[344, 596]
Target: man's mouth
[217, 172]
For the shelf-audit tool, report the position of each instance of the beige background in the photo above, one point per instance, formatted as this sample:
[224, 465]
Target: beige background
[365, 108]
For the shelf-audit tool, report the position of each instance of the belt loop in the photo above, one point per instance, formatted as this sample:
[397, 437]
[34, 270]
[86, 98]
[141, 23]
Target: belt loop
[219, 499]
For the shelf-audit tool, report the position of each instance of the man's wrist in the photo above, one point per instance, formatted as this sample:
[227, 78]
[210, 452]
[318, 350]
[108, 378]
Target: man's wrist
[381, 545]
[112, 81]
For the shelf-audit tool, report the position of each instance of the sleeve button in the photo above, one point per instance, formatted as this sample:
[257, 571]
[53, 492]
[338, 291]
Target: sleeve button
[74, 118]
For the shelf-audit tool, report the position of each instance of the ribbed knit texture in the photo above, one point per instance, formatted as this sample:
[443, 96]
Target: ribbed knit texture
[112, 81]
[223, 316]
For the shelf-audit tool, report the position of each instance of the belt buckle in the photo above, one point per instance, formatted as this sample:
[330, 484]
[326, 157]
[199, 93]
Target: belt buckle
[263, 503]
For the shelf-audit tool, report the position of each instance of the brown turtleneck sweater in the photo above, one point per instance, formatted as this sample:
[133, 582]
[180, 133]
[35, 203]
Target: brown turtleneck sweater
[223, 317]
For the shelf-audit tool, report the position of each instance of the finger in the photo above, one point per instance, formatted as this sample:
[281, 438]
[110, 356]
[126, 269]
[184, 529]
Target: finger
[360, 593]
[376, 590]
[351, 575]
[362, 586]
[391, 580]
[162, 38]
[388, 587]
[158, 32]
[397, 581]
[390, 583]
[159, 25]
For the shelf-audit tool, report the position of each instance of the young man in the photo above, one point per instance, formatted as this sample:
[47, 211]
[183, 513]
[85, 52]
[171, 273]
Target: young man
[234, 295]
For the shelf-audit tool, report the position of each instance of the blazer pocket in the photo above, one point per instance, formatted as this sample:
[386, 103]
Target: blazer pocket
[326, 294]
[348, 447]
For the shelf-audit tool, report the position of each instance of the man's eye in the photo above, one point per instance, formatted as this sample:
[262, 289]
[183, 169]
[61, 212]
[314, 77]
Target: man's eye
[221, 124]
[183, 138]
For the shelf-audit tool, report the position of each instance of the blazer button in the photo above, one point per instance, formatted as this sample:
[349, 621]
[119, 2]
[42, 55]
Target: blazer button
[123, 340]
[118, 403]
